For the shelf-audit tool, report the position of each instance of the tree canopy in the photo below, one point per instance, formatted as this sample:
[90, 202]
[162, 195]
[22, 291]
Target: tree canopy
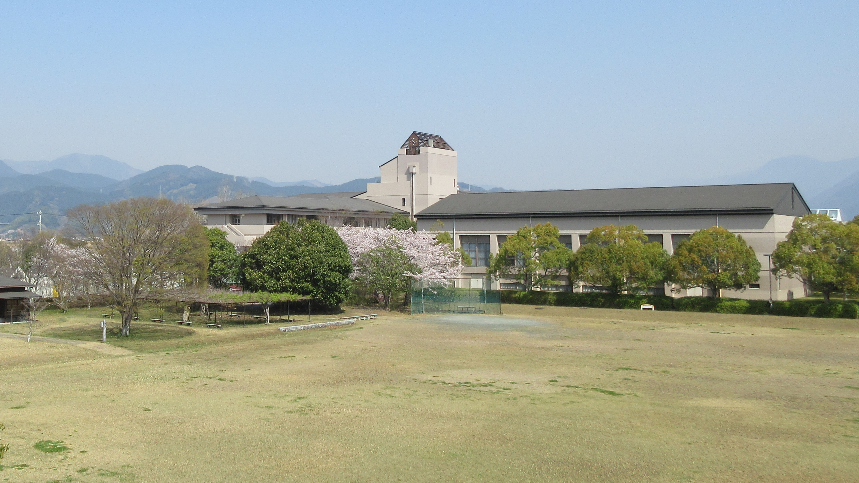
[139, 247]
[224, 261]
[619, 259]
[714, 258]
[824, 254]
[304, 258]
[386, 270]
[533, 256]
[402, 222]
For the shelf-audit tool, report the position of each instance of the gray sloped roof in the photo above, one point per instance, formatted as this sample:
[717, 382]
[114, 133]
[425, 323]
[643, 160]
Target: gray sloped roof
[772, 198]
[7, 282]
[307, 201]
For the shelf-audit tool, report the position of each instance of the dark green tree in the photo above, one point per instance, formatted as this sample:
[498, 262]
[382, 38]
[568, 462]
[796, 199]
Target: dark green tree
[305, 258]
[620, 259]
[715, 259]
[224, 261]
[402, 222]
[386, 271]
[533, 256]
[824, 254]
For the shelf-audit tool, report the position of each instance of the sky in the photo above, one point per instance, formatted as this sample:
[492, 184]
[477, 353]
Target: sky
[532, 95]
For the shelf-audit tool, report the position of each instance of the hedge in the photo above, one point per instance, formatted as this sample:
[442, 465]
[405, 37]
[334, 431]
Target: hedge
[792, 308]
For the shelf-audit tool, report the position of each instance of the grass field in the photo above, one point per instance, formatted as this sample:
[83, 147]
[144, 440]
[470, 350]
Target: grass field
[541, 394]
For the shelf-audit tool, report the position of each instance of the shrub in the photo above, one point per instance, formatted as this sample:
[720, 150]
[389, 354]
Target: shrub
[732, 306]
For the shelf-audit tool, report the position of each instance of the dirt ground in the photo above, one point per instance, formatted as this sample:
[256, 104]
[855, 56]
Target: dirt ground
[539, 394]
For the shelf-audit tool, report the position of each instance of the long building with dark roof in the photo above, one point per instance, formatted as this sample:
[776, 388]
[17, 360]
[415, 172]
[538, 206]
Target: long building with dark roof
[246, 219]
[761, 213]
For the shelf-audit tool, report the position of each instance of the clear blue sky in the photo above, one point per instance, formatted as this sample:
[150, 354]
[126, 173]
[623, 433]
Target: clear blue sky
[533, 95]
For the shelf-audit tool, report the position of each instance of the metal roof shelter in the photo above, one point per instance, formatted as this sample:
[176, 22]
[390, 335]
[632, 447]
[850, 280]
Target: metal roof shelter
[772, 198]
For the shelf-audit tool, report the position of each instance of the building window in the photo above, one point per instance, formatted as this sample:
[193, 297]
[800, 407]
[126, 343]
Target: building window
[235, 219]
[292, 218]
[566, 240]
[477, 247]
[404, 202]
[676, 239]
[754, 285]
[656, 239]
[273, 219]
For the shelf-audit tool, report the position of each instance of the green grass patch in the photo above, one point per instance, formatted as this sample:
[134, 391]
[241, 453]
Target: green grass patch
[48, 446]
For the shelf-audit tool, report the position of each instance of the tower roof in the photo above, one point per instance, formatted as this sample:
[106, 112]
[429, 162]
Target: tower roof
[419, 140]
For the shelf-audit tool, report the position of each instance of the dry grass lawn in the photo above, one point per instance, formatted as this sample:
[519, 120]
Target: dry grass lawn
[541, 394]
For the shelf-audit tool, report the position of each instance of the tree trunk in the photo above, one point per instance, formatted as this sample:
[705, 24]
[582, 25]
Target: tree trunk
[186, 314]
[126, 322]
[826, 296]
[267, 310]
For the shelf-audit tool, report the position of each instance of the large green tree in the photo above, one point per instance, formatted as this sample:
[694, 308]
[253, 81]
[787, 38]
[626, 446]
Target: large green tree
[714, 259]
[224, 261]
[140, 247]
[305, 258]
[386, 271]
[824, 254]
[533, 256]
[620, 259]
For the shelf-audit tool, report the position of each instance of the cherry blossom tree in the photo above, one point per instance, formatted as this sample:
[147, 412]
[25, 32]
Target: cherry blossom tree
[435, 261]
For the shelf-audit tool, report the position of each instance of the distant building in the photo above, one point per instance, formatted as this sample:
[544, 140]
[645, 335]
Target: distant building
[833, 213]
[246, 219]
[422, 181]
[761, 213]
[423, 173]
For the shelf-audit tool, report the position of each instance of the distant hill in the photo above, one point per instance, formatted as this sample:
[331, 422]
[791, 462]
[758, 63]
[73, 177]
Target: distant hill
[6, 170]
[822, 184]
[811, 176]
[84, 181]
[79, 163]
[280, 184]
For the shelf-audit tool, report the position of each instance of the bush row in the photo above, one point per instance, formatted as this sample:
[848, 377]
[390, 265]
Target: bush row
[793, 308]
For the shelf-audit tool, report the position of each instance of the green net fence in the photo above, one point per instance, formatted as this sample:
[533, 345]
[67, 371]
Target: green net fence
[447, 298]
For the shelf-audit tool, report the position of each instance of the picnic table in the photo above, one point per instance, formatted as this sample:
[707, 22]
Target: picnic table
[212, 326]
[182, 322]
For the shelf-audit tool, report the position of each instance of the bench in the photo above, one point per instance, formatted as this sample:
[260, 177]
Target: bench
[182, 322]
[647, 307]
[212, 326]
[157, 320]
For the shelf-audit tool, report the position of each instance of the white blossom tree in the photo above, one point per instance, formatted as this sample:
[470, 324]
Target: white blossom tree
[435, 261]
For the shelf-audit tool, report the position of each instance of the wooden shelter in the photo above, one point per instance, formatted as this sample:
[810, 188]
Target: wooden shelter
[14, 295]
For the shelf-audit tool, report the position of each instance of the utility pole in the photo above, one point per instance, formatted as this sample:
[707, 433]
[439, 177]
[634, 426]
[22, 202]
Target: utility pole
[40, 220]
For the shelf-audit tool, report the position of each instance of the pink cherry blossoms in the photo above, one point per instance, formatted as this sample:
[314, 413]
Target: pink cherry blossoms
[436, 261]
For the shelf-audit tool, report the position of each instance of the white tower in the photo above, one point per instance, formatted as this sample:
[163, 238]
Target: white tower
[423, 172]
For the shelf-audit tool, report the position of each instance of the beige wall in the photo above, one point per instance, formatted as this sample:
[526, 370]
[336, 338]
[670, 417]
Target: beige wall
[761, 232]
[435, 179]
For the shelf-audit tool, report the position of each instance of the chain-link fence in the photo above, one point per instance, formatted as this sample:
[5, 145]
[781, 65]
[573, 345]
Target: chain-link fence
[446, 298]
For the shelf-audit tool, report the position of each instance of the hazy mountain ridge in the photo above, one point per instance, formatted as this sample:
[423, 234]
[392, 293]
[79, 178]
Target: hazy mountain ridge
[822, 184]
[79, 163]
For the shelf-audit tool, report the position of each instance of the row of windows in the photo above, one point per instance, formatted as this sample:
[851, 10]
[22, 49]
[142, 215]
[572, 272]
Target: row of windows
[477, 246]
[275, 218]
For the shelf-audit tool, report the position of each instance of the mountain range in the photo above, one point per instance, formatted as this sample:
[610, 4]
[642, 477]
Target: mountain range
[56, 186]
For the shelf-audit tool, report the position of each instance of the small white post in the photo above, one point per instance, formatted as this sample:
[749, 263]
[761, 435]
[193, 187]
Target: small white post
[103, 330]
